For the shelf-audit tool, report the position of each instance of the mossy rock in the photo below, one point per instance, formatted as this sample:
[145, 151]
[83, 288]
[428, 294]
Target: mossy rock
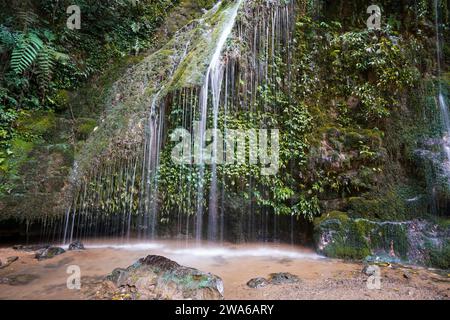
[439, 256]
[84, 127]
[156, 277]
[38, 124]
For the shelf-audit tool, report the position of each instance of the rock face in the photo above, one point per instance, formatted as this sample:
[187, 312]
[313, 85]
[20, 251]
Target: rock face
[49, 253]
[339, 236]
[156, 277]
[76, 245]
[256, 283]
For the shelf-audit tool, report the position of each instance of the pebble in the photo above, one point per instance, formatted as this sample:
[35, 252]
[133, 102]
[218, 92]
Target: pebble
[256, 283]
[369, 270]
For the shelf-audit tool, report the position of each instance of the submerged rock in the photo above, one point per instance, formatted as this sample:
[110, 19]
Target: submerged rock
[283, 277]
[156, 277]
[49, 253]
[76, 245]
[19, 279]
[256, 283]
[30, 248]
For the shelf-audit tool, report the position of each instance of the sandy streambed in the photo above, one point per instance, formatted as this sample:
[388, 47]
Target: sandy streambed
[320, 278]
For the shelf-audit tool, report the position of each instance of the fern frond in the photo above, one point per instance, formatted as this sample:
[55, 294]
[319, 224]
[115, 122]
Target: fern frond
[44, 64]
[25, 52]
[27, 19]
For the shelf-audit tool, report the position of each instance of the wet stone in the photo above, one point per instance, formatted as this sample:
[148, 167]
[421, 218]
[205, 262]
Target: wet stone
[159, 263]
[49, 253]
[369, 270]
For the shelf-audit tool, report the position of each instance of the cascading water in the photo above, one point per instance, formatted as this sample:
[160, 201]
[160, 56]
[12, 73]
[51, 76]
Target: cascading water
[446, 123]
[213, 67]
[441, 99]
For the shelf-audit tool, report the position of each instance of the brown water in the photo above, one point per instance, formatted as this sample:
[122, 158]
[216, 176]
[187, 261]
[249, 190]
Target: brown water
[236, 264]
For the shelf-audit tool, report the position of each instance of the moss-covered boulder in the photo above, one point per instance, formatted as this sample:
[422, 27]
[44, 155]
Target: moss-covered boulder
[339, 236]
[156, 277]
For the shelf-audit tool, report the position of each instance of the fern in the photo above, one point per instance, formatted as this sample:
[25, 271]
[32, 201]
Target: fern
[25, 52]
[27, 19]
[44, 64]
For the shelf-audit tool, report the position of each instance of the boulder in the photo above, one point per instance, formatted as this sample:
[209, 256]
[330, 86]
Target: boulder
[159, 278]
[76, 245]
[49, 253]
[370, 270]
[256, 283]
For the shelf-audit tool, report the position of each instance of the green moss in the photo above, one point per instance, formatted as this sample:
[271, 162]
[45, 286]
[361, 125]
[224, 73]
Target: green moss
[84, 127]
[338, 215]
[20, 150]
[349, 252]
[61, 99]
[36, 123]
[347, 238]
[339, 236]
[388, 206]
[439, 256]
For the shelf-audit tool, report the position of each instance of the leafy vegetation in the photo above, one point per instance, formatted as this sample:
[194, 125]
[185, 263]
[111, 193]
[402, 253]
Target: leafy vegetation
[41, 59]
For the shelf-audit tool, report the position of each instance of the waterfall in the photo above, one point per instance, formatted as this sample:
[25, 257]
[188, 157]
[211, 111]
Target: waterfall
[213, 78]
[212, 69]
